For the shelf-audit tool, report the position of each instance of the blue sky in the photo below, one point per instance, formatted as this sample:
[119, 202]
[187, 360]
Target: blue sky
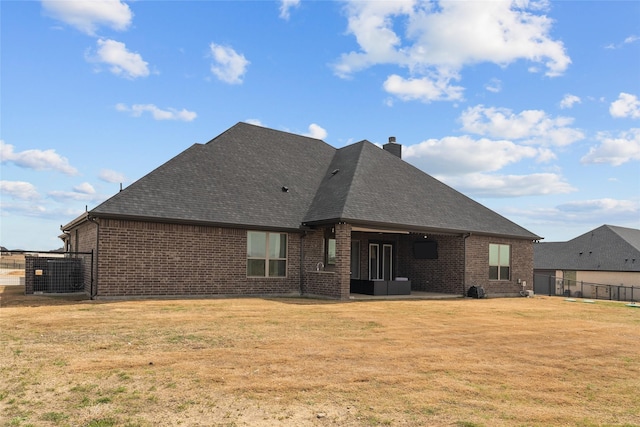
[530, 107]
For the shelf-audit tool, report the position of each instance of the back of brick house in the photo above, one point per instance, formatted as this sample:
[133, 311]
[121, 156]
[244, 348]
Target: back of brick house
[259, 212]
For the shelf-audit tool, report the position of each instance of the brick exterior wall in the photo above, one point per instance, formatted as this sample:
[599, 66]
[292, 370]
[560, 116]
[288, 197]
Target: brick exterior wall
[321, 284]
[313, 249]
[138, 258]
[444, 275]
[478, 265]
[84, 238]
[343, 259]
[157, 259]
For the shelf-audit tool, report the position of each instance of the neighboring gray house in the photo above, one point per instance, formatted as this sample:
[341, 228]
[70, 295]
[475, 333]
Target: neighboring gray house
[607, 255]
[257, 211]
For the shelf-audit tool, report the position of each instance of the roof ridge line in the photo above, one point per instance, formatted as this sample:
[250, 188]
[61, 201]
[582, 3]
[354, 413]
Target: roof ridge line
[355, 171]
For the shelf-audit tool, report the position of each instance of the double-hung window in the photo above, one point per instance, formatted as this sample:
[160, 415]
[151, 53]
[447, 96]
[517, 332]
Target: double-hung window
[266, 254]
[499, 262]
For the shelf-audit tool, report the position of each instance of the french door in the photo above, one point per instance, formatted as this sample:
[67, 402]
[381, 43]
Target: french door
[380, 261]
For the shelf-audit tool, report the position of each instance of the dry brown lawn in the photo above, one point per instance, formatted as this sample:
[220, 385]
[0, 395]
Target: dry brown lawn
[260, 362]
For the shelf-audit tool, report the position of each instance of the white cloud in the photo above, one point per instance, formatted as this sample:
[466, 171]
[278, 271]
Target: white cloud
[36, 159]
[19, 190]
[580, 214]
[29, 209]
[627, 105]
[600, 206]
[286, 6]
[315, 131]
[136, 110]
[423, 89]
[84, 188]
[593, 211]
[83, 192]
[569, 100]
[529, 126]
[485, 185]
[87, 16]
[495, 86]
[615, 150]
[627, 40]
[255, 122]
[121, 62]
[229, 66]
[111, 176]
[440, 38]
[464, 155]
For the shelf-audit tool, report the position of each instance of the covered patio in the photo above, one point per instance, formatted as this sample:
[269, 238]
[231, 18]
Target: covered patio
[369, 261]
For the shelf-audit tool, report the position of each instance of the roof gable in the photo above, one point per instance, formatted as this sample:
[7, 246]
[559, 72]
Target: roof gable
[374, 186]
[236, 179]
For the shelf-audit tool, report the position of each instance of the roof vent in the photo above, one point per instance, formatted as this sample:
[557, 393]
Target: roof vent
[392, 147]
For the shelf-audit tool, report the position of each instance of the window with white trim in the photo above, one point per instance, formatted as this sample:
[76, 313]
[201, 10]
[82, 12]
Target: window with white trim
[266, 254]
[499, 262]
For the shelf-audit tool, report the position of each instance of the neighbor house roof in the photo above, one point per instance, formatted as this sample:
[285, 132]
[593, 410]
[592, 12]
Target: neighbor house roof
[251, 176]
[606, 248]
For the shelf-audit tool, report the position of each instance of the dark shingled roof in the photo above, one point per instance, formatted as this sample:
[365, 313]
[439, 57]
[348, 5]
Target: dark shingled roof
[238, 179]
[606, 248]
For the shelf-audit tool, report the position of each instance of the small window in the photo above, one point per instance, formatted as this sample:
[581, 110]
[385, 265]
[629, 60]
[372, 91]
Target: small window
[266, 254]
[499, 262]
[331, 251]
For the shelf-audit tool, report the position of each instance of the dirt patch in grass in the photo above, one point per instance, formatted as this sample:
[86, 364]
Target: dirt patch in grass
[257, 362]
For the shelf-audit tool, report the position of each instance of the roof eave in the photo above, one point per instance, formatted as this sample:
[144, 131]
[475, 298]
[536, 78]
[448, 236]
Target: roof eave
[204, 223]
[76, 222]
[416, 229]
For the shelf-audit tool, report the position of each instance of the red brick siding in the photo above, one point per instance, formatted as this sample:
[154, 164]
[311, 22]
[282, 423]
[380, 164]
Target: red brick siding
[321, 284]
[312, 248]
[445, 274]
[331, 281]
[343, 259]
[84, 238]
[154, 259]
[478, 265]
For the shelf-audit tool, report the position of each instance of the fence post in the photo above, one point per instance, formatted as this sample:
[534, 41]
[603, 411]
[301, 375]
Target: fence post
[91, 284]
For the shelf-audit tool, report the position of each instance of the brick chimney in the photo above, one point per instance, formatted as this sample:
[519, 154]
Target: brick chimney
[392, 147]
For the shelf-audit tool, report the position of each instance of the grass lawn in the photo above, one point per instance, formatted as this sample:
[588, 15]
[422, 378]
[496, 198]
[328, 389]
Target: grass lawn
[257, 362]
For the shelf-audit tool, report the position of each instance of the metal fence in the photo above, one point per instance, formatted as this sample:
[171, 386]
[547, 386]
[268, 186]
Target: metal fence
[7, 263]
[68, 272]
[558, 286]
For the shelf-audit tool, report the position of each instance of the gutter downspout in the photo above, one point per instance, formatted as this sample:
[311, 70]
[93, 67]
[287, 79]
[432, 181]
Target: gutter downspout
[66, 242]
[92, 294]
[464, 270]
